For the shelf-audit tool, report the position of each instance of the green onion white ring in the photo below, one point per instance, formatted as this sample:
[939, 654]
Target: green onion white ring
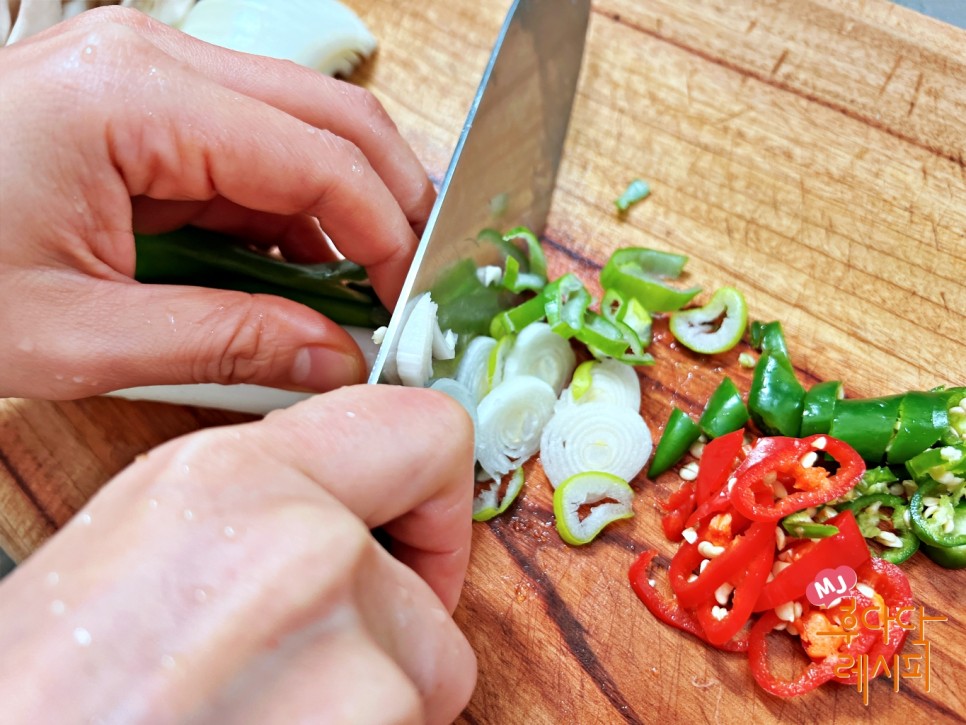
[603, 437]
[603, 381]
[540, 352]
[485, 503]
[511, 418]
[471, 371]
[610, 498]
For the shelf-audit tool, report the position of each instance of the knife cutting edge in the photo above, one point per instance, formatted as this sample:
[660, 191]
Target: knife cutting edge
[505, 164]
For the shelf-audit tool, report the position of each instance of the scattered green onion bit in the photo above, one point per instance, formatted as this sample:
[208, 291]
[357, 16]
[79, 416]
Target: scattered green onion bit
[636, 191]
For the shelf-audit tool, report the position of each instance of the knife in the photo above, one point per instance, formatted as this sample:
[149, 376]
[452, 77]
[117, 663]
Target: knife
[504, 168]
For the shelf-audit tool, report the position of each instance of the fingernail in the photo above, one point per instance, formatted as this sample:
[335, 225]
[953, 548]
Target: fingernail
[322, 368]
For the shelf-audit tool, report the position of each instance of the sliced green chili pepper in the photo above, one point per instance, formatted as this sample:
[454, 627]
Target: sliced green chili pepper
[725, 411]
[801, 525]
[679, 434]
[923, 418]
[517, 281]
[775, 400]
[872, 510]
[956, 411]
[535, 257]
[516, 318]
[714, 328]
[587, 502]
[866, 424]
[641, 273]
[602, 336]
[946, 465]
[817, 407]
[934, 516]
[618, 308]
[635, 192]
[488, 503]
[566, 303]
[876, 480]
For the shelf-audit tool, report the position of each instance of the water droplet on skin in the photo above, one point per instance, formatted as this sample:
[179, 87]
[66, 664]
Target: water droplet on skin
[57, 607]
[229, 532]
[186, 469]
[84, 519]
[168, 662]
[26, 345]
[53, 578]
[58, 376]
[356, 168]
[82, 637]
[350, 414]
[201, 596]
[188, 515]
[87, 55]
[152, 503]
[78, 379]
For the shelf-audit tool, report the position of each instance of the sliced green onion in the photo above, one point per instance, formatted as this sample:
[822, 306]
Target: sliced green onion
[641, 273]
[540, 352]
[496, 362]
[512, 417]
[603, 381]
[488, 503]
[472, 370]
[608, 498]
[714, 328]
[535, 257]
[636, 191]
[460, 393]
[419, 338]
[594, 437]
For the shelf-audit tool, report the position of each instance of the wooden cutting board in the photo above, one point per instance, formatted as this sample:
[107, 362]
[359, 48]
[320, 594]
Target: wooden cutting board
[810, 152]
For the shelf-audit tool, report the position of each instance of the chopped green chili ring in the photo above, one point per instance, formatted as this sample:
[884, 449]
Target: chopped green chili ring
[945, 464]
[636, 191]
[602, 336]
[866, 424]
[870, 511]
[535, 257]
[618, 308]
[818, 406]
[800, 525]
[932, 530]
[769, 338]
[725, 411]
[516, 318]
[875, 480]
[714, 328]
[923, 418]
[608, 498]
[775, 398]
[488, 503]
[565, 304]
[956, 411]
[679, 434]
[641, 273]
[950, 557]
[517, 281]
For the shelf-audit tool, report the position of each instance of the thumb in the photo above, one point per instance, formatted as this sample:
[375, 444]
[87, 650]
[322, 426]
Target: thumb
[106, 335]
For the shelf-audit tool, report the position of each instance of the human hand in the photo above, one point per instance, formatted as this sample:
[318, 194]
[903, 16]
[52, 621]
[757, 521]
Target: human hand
[230, 576]
[113, 122]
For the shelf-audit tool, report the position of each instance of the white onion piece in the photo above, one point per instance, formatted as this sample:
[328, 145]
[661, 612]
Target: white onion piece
[320, 34]
[489, 275]
[169, 12]
[32, 17]
[244, 398]
[458, 392]
[611, 381]
[444, 343]
[602, 437]
[511, 419]
[414, 350]
[471, 370]
[541, 352]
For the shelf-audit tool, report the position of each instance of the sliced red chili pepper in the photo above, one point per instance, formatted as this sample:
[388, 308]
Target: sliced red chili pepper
[718, 460]
[669, 611]
[677, 509]
[736, 558]
[816, 673]
[847, 548]
[890, 583]
[753, 495]
[747, 582]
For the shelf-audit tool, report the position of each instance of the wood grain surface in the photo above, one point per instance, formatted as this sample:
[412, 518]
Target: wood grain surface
[810, 152]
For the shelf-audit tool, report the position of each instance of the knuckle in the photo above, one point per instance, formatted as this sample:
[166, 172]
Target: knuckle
[113, 15]
[243, 348]
[370, 107]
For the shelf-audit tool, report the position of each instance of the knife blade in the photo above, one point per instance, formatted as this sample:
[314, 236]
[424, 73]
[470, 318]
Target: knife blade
[503, 170]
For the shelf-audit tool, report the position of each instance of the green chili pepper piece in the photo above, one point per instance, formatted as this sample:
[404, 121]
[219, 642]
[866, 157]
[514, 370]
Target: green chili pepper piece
[932, 529]
[945, 465]
[800, 525]
[769, 338]
[875, 480]
[714, 328]
[641, 273]
[517, 281]
[956, 412]
[535, 257]
[949, 557]
[679, 434]
[922, 421]
[725, 411]
[509, 249]
[488, 502]
[466, 305]
[636, 191]
[602, 335]
[566, 302]
[871, 510]
[515, 319]
[817, 407]
[866, 424]
[775, 398]
[618, 308]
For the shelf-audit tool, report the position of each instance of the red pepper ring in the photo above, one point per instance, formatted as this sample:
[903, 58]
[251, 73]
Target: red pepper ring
[717, 463]
[816, 673]
[669, 611]
[747, 585]
[890, 583]
[737, 557]
[847, 548]
[752, 496]
[676, 511]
